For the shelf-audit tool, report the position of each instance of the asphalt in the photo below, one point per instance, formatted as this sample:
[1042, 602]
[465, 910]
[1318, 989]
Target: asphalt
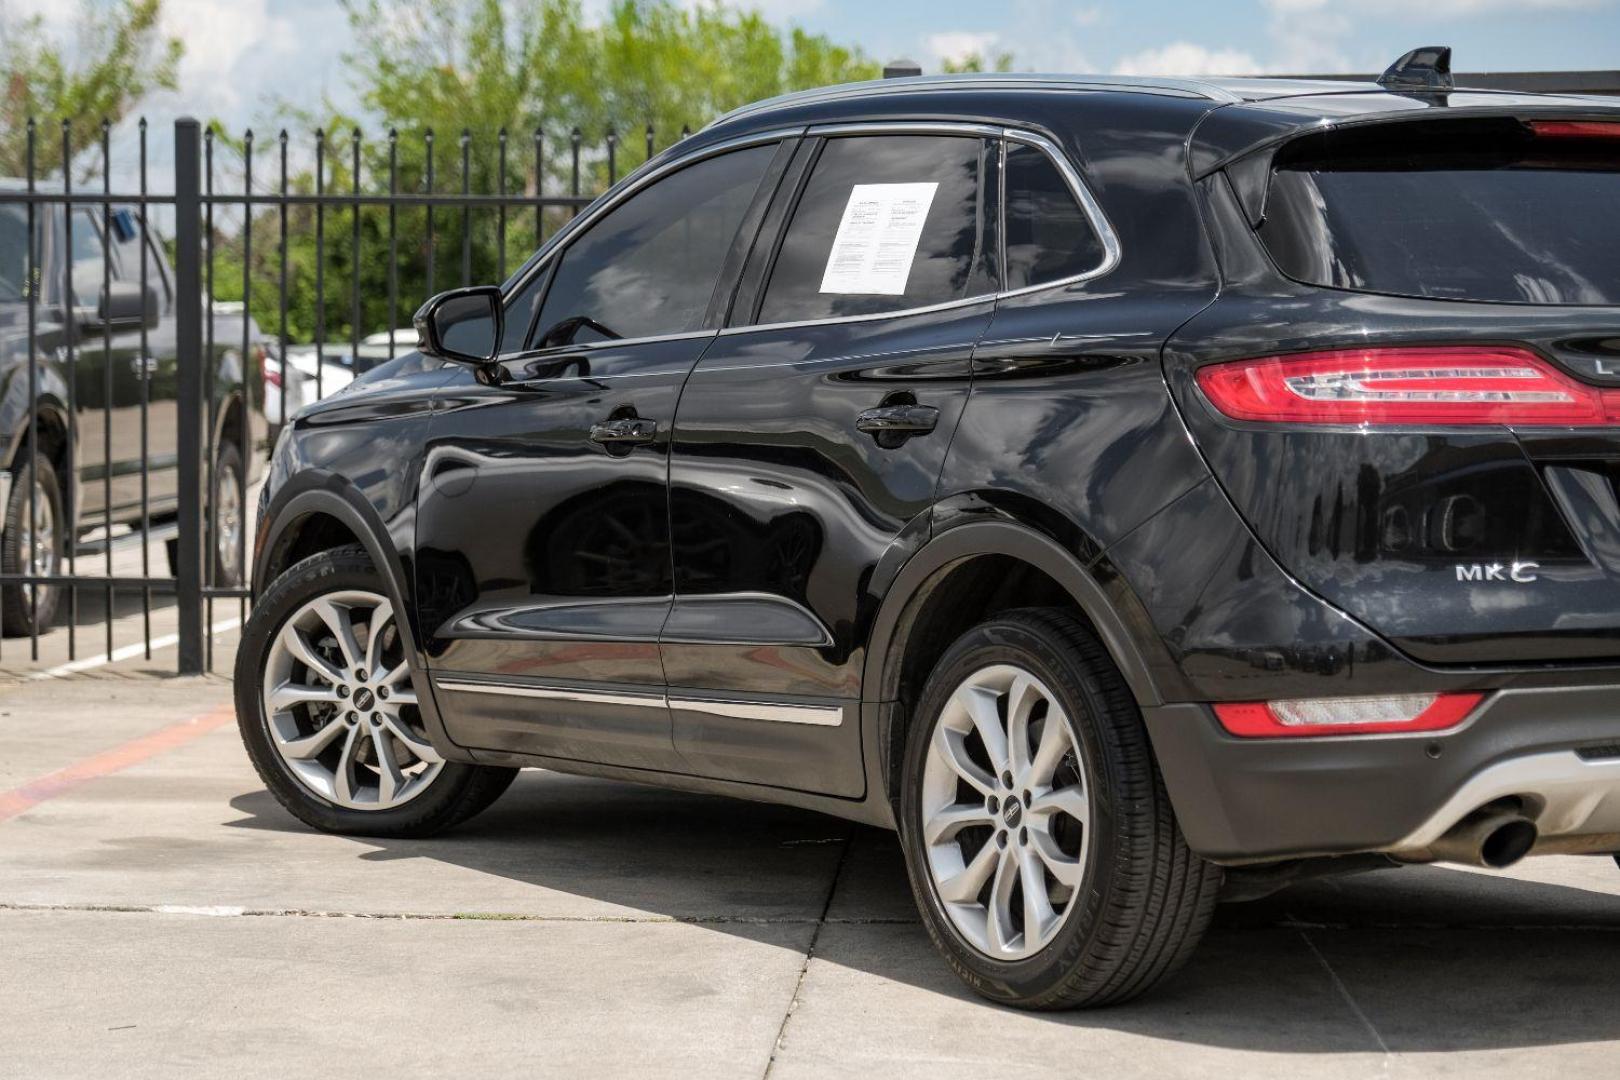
[160, 915]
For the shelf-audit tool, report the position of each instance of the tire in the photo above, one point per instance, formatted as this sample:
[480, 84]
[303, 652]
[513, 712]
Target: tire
[228, 509]
[1138, 900]
[18, 617]
[322, 755]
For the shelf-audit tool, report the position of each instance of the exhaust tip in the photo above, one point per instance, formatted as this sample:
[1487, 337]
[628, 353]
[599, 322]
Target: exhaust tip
[1507, 844]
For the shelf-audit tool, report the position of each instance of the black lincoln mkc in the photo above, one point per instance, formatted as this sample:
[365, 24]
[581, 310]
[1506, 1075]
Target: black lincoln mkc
[1135, 491]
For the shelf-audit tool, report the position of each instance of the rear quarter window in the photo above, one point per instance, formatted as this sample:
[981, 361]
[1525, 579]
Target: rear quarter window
[1487, 210]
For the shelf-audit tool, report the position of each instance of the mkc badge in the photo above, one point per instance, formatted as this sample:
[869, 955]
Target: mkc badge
[1521, 572]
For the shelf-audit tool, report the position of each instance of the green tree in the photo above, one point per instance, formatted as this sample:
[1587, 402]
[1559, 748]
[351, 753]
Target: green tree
[467, 71]
[122, 55]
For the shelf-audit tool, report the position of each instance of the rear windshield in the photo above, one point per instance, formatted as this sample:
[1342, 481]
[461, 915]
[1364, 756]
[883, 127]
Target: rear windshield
[1496, 210]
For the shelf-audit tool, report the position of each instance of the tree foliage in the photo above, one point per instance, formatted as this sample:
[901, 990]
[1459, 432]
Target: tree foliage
[121, 56]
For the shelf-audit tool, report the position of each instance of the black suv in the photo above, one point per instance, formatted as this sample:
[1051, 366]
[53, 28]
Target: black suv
[89, 400]
[1119, 486]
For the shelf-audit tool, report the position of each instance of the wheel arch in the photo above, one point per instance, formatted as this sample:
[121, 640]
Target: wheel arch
[1000, 565]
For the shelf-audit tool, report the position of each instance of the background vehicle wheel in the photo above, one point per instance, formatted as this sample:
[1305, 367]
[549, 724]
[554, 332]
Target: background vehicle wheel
[229, 507]
[1039, 839]
[326, 702]
[46, 538]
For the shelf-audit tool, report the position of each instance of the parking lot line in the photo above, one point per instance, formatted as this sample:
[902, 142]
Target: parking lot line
[28, 795]
[126, 652]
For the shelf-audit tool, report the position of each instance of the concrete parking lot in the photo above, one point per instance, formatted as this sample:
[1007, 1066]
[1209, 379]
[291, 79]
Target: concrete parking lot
[160, 914]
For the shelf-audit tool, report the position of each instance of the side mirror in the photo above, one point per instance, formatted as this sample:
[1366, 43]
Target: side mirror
[123, 304]
[462, 325]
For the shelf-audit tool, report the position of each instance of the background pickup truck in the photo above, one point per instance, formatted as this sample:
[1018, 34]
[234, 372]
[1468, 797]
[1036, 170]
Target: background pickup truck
[106, 422]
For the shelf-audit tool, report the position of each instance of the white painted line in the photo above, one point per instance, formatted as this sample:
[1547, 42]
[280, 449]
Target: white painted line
[125, 653]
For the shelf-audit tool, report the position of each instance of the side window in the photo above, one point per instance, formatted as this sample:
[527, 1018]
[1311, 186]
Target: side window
[886, 222]
[519, 313]
[650, 266]
[13, 252]
[88, 258]
[1049, 236]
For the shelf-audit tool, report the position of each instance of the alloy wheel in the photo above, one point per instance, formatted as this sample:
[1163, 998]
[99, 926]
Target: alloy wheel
[341, 705]
[1006, 812]
[228, 521]
[36, 540]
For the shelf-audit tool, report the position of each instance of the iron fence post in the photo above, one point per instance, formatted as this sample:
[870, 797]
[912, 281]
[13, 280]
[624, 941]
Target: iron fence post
[188, 333]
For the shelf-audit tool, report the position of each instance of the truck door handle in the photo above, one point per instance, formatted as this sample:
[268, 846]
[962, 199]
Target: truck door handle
[624, 431]
[899, 420]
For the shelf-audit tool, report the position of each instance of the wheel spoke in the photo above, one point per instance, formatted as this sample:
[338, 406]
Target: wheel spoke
[964, 887]
[418, 746]
[1069, 800]
[343, 775]
[1022, 697]
[295, 642]
[952, 747]
[1055, 742]
[1067, 871]
[338, 621]
[396, 676]
[980, 705]
[1038, 913]
[381, 616]
[287, 695]
[953, 819]
[389, 777]
[310, 746]
[998, 912]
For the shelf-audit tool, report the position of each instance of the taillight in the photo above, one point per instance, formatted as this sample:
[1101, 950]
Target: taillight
[1347, 716]
[1575, 129]
[1425, 385]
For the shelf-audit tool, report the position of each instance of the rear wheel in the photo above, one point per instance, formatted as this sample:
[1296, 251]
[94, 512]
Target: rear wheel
[33, 541]
[326, 700]
[1040, 842]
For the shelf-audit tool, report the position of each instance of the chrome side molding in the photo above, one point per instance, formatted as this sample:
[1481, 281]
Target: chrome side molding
[769, 711]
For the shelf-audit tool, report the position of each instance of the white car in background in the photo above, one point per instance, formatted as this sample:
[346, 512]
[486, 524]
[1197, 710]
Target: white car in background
[310, 374]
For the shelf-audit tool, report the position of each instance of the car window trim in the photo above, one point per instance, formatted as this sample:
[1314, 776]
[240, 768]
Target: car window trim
[1112, 251]
[632, 184]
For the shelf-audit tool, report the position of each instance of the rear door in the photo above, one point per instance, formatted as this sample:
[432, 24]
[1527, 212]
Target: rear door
[809, 441]
[543, 558]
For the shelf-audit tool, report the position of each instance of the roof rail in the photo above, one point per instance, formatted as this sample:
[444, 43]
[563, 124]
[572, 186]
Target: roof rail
[992, 81]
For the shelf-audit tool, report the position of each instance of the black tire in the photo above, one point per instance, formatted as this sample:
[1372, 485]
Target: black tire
[18, 617]
[458, 792]
[228, 475]
[1145, 900]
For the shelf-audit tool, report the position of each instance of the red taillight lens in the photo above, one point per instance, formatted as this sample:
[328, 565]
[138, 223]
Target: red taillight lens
[1346, 716]
[1575, 129]
[1426, 385]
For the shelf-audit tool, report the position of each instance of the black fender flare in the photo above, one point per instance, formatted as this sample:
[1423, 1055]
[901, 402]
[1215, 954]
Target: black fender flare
[966, 541]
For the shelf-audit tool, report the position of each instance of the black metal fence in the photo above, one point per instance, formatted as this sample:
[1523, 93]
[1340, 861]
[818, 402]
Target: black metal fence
[139, 398]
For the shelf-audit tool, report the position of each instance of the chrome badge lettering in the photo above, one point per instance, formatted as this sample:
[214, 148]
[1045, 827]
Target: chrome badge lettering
[1522, 573]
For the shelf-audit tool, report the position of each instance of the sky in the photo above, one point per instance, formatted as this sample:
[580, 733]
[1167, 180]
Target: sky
[242, 55]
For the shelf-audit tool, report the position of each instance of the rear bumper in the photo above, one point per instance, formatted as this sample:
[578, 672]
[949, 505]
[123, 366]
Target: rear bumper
[1255, 800]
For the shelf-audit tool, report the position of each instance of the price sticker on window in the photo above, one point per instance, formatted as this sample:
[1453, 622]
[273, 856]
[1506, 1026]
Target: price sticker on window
[877, 239]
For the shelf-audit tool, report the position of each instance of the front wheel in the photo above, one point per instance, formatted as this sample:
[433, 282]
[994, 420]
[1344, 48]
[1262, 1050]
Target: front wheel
[326, 700]
[1039, 838]
[33, 538]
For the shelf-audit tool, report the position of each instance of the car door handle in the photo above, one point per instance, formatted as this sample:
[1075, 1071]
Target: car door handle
[624, 430]
[898, 420]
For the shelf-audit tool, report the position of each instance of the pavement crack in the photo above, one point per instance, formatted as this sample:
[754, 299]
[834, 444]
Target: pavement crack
[1344, 992]
[809, 954]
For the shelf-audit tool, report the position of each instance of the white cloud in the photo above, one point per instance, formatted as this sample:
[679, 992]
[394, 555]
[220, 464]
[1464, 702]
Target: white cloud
[1187, 58]
[957, 45]
[1090, 16]
[216, 44]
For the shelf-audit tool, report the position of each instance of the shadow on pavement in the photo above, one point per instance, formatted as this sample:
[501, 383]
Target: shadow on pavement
[1433, 959]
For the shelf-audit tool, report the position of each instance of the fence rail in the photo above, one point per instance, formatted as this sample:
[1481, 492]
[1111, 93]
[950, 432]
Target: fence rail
[161, 334]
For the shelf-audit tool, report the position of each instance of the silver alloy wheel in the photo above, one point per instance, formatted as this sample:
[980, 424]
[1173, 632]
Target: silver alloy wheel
[341, 707]
[1006, 812]
[36, 540]
[228, 520]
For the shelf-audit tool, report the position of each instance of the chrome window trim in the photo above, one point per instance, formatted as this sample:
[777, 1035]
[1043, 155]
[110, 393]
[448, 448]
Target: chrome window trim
[735, 708]
[1113, 253]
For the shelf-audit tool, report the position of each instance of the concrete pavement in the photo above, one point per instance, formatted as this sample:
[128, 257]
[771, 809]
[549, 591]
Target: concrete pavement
[160, 914]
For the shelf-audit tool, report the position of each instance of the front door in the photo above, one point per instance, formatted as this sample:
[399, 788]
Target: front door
[543, 562]
[809, 442]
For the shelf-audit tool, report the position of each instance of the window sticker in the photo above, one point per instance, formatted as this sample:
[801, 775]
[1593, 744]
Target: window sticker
[877, 239]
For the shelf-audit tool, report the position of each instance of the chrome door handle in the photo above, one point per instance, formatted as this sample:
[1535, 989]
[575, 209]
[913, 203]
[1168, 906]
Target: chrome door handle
[626, 430]
[898, 420]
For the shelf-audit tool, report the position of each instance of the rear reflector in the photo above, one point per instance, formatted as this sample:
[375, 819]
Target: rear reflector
[1346, 716]
[1427, 385]
[1575, 129]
